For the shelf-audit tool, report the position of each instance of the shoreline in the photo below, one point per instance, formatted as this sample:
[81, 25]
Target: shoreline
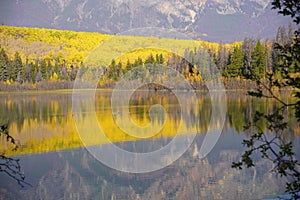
[68, 86]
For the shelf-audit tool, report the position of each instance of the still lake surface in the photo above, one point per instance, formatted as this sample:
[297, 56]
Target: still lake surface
[58, 166]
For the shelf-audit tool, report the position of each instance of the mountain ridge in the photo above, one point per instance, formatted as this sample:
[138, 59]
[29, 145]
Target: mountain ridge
[210, 20]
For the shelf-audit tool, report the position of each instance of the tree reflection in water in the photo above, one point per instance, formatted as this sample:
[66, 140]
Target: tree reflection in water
[43, 124]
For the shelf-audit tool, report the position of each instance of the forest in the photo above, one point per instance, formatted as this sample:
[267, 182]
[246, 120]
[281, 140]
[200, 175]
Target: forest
[32, 58]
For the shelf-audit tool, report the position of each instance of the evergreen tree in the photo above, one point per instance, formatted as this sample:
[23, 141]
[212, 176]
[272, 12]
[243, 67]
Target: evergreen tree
[17, 70]
[82, 71]
[73, 72]
[281, 36]
[290, 33]
[63, 72]
[55, 68]
[115, 70]
[4, 66]
[247, 48]
[34, 71]
[175, 63]
[119, 70]
[236, 61]
[49, 69]
[269, 60]
[111, 69]
[27, 76]
[259, 60]
[150, 59]
[138, 62]
[221, 57]
[281, 39]
[44, 69]
[128, 66]
[159, 59]
[226, 70]
[39, 77]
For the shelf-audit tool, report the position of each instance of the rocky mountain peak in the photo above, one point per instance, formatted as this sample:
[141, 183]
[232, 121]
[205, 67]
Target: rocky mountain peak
[213, 20]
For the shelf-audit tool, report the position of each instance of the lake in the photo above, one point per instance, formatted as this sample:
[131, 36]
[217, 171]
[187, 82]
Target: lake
[52, 139]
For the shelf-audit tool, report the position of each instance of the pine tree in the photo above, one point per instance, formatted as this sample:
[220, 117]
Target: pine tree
[81, 72]
[63, 72]
[269, 60]
[157, 59]
[259, 60]
[115, 70]
[73, 72]
[236, 61]
[290, 33]
[44, 69]
[150, 59]
[281, 36]
[161, 59]
[222, 57]
[128, 66]
[49, 69]
[118, 70]
[27, 76]
[281, 39]
[39, 76]
[174, 62]
[138, 62]
[111, 69]
[17, 70]
[34, 71]
[247, 48]
[55, 68]
[4, 66]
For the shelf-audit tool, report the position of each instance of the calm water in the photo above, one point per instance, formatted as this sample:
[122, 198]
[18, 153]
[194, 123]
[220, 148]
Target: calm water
[58, 166]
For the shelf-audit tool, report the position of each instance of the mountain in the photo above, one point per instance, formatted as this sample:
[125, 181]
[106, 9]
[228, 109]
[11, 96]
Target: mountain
[211, 20]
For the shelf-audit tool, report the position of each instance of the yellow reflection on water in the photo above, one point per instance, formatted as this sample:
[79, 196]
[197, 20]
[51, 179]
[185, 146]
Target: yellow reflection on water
[49, 126]
[43, 123]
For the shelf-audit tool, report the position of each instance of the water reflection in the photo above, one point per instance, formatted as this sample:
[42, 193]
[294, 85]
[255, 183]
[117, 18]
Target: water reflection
[75, 174]
[43, 123]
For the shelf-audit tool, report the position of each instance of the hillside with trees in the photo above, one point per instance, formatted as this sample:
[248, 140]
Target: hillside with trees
[32, 58]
